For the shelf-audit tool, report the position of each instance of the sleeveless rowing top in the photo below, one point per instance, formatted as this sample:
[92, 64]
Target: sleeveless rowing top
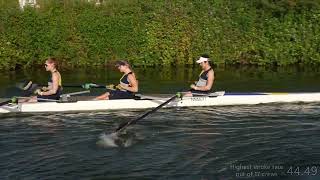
[203, 78]
[125, 81]
[59, 83]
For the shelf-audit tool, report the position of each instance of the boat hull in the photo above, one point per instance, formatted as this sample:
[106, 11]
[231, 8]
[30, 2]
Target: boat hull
[223, 100]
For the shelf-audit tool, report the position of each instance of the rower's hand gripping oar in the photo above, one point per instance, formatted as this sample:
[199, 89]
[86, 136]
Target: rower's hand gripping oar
[133, 121]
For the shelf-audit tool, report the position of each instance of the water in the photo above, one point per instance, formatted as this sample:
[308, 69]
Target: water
[181, 143]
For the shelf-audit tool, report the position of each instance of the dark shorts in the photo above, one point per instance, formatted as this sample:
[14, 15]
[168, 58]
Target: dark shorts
[117, 94]
[195, 92]
[51, 97]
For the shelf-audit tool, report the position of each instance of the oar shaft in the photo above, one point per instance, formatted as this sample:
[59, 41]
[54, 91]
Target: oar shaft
[76, 93]
[124, 125]
[69, 85]
[83, 85]
[72, 85]
[155, 109]
[77, 86]
[99, 86]
[42, 99]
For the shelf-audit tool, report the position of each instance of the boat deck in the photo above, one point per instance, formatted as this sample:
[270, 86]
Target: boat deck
[85, 103]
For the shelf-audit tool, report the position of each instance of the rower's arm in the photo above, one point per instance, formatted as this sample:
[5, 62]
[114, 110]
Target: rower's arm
[54, 86]
[133, 82]
[209, 82]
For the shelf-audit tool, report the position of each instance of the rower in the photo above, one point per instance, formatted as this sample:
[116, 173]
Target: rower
[54, 88]
[206, 78]
[127, 86]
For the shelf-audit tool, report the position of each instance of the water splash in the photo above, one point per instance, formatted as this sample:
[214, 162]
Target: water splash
[116, 140]
[107, 140]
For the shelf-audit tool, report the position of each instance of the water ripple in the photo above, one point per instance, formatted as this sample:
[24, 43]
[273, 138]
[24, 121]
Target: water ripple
[171, 143]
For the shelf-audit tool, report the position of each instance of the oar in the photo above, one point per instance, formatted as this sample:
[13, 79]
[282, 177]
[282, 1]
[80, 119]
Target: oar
[27, 85]
[93, 85]
[133, 121]
[42, 99]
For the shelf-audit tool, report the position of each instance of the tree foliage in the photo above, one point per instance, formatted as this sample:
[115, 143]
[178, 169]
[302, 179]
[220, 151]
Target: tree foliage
[261, 32]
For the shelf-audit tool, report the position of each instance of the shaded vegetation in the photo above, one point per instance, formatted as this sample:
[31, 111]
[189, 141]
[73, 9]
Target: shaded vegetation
[259, 32]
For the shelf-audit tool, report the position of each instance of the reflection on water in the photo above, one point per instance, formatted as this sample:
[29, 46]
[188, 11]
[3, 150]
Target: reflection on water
[170, 79]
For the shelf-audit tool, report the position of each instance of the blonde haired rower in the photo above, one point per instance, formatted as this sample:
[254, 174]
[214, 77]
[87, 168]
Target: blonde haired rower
[54, 88]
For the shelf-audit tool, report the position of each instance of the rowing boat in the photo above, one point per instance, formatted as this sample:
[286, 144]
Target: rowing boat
[144, 102]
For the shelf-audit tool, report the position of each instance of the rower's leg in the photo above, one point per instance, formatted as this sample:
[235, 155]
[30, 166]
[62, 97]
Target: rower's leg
[32, 99]
[104, 96]
[188, 94]
[23, 100]
[27, 99]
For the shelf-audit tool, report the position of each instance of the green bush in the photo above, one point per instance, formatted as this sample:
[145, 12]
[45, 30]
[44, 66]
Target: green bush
[148, 33]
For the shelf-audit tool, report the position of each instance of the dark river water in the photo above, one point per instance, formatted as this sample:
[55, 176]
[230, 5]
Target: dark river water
[273, 141]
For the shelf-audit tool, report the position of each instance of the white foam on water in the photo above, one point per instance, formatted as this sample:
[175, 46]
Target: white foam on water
[124, 139]
[107, 140]
[128, 142]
